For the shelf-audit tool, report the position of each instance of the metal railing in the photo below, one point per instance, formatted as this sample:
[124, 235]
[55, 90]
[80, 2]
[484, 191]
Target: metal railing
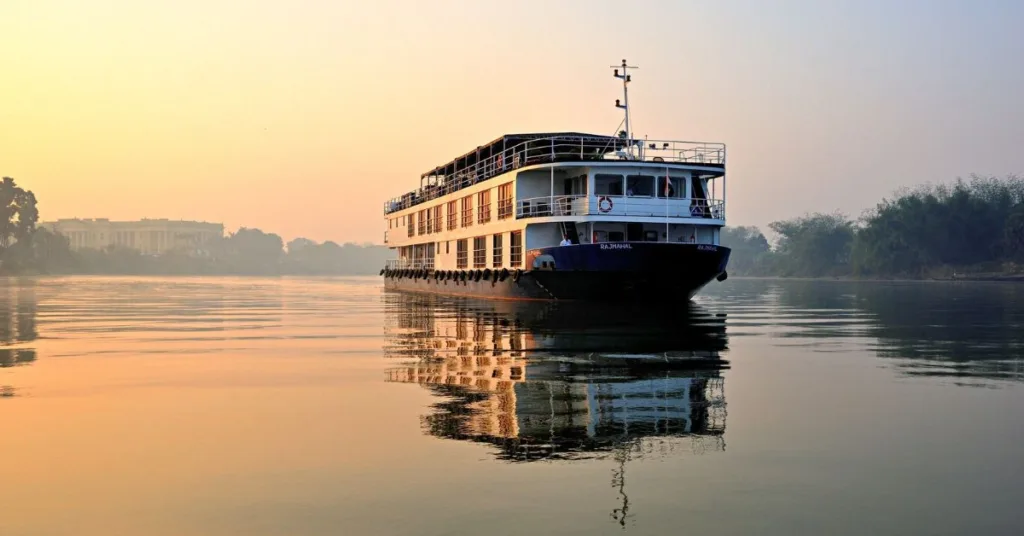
[613, 205]
[562, 149]
[409, 264]
[556, 205]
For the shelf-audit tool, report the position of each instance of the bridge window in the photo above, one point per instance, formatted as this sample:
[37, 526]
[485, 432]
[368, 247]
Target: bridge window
[607, 184]
[480, 252]
[640, 185]
[676, 188]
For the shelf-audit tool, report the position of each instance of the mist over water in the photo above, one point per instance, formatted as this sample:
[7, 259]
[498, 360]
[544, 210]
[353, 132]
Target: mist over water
[328, 406]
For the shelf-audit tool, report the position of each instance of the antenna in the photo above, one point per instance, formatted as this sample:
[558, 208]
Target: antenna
[625, 96]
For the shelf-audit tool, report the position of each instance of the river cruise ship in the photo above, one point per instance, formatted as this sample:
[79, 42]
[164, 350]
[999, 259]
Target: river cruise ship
[565, 216]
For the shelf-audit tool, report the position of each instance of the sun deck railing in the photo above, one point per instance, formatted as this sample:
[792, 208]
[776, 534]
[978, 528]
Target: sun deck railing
[561, 149]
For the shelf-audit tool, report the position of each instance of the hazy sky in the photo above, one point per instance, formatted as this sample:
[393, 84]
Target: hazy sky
[302, 117]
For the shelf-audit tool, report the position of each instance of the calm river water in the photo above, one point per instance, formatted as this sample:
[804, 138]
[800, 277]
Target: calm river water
[223, 406]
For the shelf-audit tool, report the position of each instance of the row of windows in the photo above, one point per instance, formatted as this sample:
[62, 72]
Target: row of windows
[429, 220]
[497, 251]
[646, 186]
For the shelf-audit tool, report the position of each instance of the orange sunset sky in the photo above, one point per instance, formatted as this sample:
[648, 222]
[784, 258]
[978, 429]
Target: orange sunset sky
[303, 117]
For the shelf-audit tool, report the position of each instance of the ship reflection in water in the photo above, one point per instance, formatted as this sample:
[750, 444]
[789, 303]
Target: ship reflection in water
[542, 381]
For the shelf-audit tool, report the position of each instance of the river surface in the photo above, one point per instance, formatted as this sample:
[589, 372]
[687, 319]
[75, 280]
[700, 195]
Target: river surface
[234, 406]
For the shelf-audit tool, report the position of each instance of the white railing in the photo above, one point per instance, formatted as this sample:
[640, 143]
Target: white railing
[409, 264]
[556, 205]
[617, 205]
[561, 149]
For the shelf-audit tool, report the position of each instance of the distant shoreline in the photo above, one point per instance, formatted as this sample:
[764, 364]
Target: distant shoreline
[1003, 278]
[182, 275]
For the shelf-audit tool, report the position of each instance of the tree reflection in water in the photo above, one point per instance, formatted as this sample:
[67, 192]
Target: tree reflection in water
[17, 327]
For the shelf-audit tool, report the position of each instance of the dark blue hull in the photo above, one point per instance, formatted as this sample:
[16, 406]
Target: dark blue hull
[616, 271]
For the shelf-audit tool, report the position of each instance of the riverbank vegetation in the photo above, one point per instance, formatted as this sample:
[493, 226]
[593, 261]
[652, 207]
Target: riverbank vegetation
[245, 252]
[28, 249]
[968, 229]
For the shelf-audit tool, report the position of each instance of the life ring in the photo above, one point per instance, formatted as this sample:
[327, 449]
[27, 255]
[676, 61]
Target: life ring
[601, 203]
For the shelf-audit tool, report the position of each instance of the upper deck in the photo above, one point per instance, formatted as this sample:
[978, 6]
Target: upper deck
[514, 151]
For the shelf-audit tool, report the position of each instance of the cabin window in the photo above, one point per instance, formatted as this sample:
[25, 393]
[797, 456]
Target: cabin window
[421, 222]
[607, 184]
[461, 254]
[483, 204]
[650, 236]
[447, 247]
[640, 185]
[408, 225]
[453, 211]
[601, 236]
[480, 252]
[430, 220]
[437, 219]
[504, 201]
[515, 248]
[616, 236]
[467, 211]
[428, 260]
[496, 259]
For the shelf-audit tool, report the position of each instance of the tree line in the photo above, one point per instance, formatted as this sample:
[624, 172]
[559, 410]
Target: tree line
[28, 249]
[969, 228]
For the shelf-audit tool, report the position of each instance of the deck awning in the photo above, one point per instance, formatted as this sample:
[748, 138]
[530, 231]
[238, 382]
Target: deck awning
[505, 144]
